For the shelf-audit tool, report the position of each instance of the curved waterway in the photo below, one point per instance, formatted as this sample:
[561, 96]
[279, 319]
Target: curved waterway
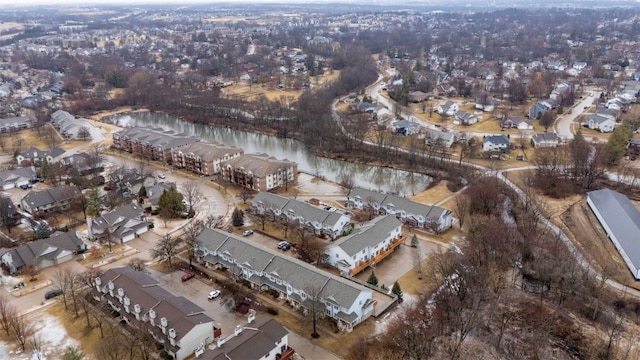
[366, 176]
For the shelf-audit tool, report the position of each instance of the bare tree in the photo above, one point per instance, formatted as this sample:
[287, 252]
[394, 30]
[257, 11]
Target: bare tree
[191, 193]
[245, 195]
[136, 264]
[111, 348]
[21, 328]
[191, 233]
[212, 221]
[36, 344]
[166, 248]
[64, 279]
[31, 270]
[51, 137]
[461, 208]
[314, 308]
[7, 313]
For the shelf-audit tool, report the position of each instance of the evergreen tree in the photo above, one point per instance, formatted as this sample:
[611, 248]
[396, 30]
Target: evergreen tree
[170, 202]
[414, 241]
[373, 280]
[93, 203]
[237, 218]
[396, 290]
[617, 144]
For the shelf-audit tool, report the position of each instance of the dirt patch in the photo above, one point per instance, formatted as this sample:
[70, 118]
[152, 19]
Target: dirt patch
[433, 194]
[591, 240]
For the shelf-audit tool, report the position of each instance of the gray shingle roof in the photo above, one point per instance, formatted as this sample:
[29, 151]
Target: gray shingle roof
[260, 165]
[41, 198]
[622, 218]
[156, 137]
[254, 342]
[298, 274]
[399, 203]
[182, 315]
[369, 235]
[306, 211]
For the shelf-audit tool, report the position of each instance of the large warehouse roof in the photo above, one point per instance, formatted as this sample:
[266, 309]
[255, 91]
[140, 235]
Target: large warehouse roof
[622, 221]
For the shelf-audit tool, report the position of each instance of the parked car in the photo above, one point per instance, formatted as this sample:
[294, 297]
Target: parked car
[214, 294]
[161, 176]
[52, 293]
[247, 232]
[26, 186]
[187, 276]
[283, 245]
[19, 285]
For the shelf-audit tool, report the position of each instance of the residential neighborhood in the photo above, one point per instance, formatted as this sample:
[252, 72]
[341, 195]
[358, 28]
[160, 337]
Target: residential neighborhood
[319, 181]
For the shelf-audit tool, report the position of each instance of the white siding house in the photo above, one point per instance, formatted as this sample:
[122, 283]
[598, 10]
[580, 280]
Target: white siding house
[296, 281]
[409, 212]
[366, 246]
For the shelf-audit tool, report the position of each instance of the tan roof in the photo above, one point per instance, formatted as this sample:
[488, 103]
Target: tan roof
[259, 164]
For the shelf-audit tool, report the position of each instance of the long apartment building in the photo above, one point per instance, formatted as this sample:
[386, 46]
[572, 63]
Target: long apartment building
[297, 282]
[258, 172]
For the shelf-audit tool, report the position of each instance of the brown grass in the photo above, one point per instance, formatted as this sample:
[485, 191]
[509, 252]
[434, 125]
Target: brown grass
[30, 138]
[433, 194]
[415, 282]
[76, 328]
[334, 342]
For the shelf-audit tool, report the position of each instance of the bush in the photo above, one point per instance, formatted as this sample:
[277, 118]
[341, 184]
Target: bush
[272, 311]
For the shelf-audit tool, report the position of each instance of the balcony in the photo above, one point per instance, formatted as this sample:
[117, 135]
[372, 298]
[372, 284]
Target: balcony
[286, 354]
[381, 255]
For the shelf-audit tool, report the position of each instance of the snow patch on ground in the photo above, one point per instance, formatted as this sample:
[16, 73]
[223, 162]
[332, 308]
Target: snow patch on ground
[51, 334]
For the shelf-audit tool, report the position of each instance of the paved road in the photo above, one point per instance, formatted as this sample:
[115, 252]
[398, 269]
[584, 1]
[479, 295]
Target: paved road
[564, 124]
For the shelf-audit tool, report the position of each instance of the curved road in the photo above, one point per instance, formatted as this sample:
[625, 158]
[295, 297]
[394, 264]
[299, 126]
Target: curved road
[565, 123]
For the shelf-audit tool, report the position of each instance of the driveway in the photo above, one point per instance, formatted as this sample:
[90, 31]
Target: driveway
[565, 122]
[401, 261]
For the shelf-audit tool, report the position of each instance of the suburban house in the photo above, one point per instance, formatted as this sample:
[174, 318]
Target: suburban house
[440, 138]
[130, 180]
[262, 339]
[418, 96]
[154, 192]
[203, 158]
[16, 123]
[297, 282]
[496, 143]
[68, 126]
[542, 106]
[485, 104]
[405, 127]
[120, 225]
[364, 107]
[43, 253]
[621, 222]
[602, 123]
[517, 123]
[319, 221]
[176, 323]
[448, 108]
[633, 148]
[49, 200]
[409, 212]
[34, 156]
[10, 179]
[82, 162]
[610, 113]
[151, 143]
[260, 172]
[545, 140]
[465, 118]
[366, 246]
